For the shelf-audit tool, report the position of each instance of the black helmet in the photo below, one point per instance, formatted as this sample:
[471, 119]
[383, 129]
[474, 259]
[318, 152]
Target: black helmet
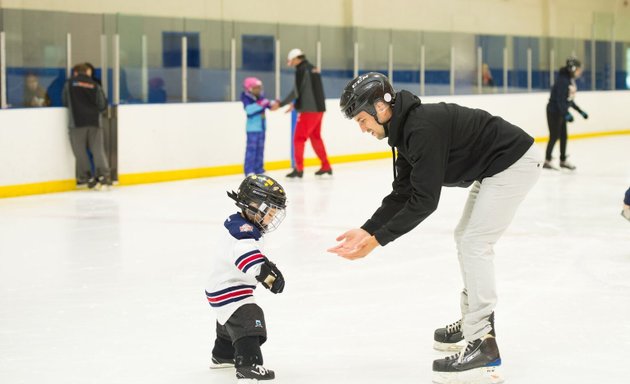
[573, 64]
[259, 195]
[363, 91]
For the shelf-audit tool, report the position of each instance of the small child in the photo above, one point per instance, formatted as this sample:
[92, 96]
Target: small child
[255, 104]
[239, 265]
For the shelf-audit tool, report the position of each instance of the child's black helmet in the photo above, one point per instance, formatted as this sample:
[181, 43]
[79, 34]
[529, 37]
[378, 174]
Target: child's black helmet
[573, 64]
[363, 91]
[258, 195]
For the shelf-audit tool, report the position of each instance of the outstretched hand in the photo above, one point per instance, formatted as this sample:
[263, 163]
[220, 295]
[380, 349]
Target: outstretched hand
[355, 243]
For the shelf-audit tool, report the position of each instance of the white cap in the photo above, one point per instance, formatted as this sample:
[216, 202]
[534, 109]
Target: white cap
[295, 52]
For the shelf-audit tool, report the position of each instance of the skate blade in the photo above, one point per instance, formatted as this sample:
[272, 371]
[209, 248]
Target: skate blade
[221, 365]
[484, 375]
[449, 347]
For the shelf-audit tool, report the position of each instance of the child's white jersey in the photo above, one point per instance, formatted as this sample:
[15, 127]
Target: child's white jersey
[235, 264]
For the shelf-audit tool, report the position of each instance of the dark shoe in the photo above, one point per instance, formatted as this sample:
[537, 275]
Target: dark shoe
[295, 174]
[254, 372]
[479, 362]
[566, 165]
[548, 165]
[322, 172]
[218, 362]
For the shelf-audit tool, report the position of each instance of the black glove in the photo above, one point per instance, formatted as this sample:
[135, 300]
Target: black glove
[271, 277]
[584, 115]
[568, 117]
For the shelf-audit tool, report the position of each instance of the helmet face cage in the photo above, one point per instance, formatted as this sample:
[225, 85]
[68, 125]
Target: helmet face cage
[262, 200]
[363, 92]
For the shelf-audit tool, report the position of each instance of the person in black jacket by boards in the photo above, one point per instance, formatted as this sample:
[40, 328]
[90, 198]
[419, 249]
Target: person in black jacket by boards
[446, 145]
[85, 100]
[558, 115]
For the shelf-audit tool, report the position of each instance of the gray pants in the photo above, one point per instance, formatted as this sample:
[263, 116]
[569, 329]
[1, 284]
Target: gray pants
[90, 138]
[490, 207]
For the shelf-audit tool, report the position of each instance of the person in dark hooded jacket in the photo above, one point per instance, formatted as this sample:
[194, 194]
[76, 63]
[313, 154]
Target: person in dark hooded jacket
[446, 145]
[558, 115]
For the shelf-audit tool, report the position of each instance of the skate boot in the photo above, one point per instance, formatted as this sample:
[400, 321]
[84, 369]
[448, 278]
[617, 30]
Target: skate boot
[625, 212]
[323, 172]
[104, 183]
[548, 165]
[449, 338]
[295, 174]
[566, 165]
[219, 362]
[92, 183]
[253, 373]
[478, 363]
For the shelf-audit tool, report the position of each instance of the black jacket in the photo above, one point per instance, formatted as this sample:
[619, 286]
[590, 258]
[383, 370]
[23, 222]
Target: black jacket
[85, 100]
[559, 99]
[440, 145]
[308, 91]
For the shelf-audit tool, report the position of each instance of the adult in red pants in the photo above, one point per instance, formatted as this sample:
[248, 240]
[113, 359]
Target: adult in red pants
[307, 97]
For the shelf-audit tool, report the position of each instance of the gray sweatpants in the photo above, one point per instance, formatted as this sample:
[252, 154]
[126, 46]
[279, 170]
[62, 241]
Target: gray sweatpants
[490, 207]
[91, 138]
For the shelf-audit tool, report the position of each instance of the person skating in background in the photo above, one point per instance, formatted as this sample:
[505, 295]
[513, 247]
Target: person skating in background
[625, 211]
[238, 265]
[558, 114]
[34, 94]
[446, 145]
[255, 103]
[85, 101]
[307, 97]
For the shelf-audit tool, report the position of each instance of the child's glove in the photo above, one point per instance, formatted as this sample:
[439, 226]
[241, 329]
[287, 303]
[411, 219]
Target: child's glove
[271, 277]
[568, 117]
[584, 115]
[263, 103]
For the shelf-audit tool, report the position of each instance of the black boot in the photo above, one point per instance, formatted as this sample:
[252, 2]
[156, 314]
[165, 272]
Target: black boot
[295, 174]
[478, 363]
[322, 172]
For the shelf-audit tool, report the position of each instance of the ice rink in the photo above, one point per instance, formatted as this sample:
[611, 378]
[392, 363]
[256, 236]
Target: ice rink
[108, 287]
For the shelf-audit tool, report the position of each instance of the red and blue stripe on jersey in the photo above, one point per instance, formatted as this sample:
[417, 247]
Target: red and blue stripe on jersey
[230, 295]
[249, 259]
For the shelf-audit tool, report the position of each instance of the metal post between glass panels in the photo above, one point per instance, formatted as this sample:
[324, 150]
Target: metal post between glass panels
[390, 62]
[3, 72]
[144, 71]
[422, 69]
[529, 69]
[356, 59]
[104, 71]
[452, 72]
[479, 69]
[277, 69]
[184, 69]
[116, 79]
[613, 64]
[319, 55]
[593, 47]
[505, 70]
[552, 65]
[68, 55]
[233, 69]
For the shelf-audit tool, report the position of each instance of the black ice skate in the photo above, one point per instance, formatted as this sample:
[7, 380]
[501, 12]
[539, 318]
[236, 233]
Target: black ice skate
[547, 165]
[323, 172]
[478, 363]
[218, 363]
[449, 338]
[295, 174]
[566, 165]
[253, 373]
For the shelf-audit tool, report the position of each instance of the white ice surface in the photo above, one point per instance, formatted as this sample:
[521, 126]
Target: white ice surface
[109, 287]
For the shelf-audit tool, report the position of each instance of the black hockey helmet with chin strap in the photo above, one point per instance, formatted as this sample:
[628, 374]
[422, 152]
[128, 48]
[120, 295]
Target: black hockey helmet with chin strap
[259, 195]
[362, 92]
